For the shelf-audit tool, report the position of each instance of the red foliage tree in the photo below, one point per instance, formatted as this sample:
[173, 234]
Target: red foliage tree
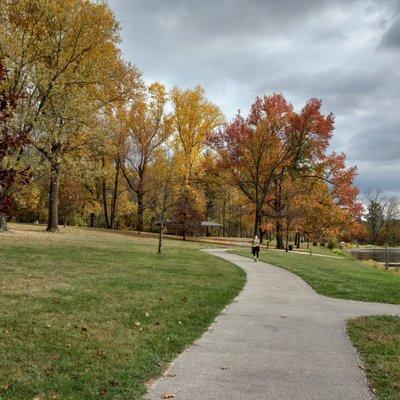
[252, 149]
[275, 145]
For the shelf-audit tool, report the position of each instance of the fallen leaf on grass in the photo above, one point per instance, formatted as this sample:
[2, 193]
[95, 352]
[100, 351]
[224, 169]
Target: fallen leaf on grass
[138, 326]
[75, 377]
[82, 328]
[167, 396]
[101, 353]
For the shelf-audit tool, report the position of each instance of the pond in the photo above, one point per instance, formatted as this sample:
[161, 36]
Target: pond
[378, 255]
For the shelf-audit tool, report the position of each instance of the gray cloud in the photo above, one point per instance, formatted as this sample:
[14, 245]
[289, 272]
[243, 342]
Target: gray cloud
[391, 39]
[381, 144]
[343, 51]
[385, 177]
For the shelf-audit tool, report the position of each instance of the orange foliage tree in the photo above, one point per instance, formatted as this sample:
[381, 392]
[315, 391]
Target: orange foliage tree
[275, 153]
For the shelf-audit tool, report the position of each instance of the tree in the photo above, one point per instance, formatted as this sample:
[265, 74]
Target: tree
[58, 54]
[164, 199]
[375, 214]
[391, 224]
[195, 120]
[251, 150]
[12, 145]
[383, 215]
[110, 151]
[274, 149]
[147, 126]
[188, 211]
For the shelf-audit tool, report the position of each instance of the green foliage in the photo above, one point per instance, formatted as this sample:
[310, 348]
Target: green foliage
[333, 243]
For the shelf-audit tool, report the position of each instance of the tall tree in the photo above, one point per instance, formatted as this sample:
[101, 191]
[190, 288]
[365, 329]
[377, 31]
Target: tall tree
[275, 145]
[252, 150]
[188, 211]
[12, 145]
[147, 126]
[195, 120]
[375, 214]
[57, 54]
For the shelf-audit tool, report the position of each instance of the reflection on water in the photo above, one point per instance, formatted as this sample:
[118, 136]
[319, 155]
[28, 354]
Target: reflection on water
[378, 255]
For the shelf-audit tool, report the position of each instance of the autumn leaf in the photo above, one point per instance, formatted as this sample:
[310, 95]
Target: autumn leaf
[167, 396]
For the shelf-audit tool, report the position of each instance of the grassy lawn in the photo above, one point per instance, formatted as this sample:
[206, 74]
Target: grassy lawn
[338, 277]
[94, 315]
[377, 340]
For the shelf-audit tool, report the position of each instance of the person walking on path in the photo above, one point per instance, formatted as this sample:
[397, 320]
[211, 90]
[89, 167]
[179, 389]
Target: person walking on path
[255, 248]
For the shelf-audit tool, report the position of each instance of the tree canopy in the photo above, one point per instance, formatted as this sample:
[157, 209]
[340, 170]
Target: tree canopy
[85, 141]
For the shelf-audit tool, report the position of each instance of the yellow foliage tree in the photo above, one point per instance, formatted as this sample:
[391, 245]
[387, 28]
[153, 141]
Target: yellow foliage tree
[58, 54]
[194, 120]
[146, 126]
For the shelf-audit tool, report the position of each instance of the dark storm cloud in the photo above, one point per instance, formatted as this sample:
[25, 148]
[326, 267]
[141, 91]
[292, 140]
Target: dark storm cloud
[343, 51]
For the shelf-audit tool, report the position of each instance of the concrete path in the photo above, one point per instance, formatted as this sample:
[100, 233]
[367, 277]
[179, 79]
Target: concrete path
[279, 340]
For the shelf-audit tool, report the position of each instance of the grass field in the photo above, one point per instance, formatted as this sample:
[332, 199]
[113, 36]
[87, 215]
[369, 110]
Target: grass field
[343, 278]
[94, 315]
[377, 340]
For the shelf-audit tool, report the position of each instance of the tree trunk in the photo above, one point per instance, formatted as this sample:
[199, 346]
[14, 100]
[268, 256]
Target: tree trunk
[287, 237]
[140, 210]
[386, 254]
[3, 223]
[52, 222]
[240, 222]
[224, 217]
[279, 236]
[115, 195]
[261, 234]
[297, 239]
[256, 223]
[160, 237]
[91, 223]
[104, 193]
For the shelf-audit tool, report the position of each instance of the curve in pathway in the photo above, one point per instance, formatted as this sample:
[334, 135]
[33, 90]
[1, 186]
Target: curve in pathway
[279, 340]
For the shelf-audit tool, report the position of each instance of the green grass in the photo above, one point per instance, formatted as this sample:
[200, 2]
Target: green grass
[343, 278]
[94, 315]
[377, 340]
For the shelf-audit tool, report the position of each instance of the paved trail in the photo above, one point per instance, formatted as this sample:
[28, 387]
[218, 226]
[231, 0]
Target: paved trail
[279, 340]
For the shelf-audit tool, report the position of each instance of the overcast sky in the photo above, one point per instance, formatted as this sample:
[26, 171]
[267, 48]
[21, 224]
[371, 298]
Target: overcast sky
[346, 52]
